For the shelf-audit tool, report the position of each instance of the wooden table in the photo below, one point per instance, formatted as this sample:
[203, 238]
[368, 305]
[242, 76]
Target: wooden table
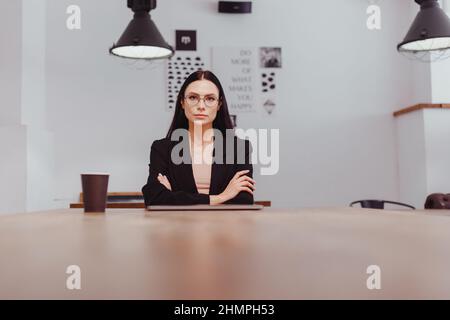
[270, 254]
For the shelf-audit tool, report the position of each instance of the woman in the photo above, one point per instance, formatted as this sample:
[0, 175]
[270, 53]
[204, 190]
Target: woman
[201, 112]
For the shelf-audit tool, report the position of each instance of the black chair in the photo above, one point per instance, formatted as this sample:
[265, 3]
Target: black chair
[378, 204]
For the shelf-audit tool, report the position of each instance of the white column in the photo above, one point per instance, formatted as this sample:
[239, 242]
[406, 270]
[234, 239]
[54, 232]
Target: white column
[26, 161]
[440, 72]
[437, 142]
[13, 169]
[411, 150]
[40, 151]
[440, 81]
[10, 62]
[423, 154]
[13, 144]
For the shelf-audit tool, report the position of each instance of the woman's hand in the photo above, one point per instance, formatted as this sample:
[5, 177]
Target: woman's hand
[164, 181]
[240, 182]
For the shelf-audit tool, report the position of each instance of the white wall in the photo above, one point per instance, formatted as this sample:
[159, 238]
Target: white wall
[12, 134]
[445, 4]
[339, 86]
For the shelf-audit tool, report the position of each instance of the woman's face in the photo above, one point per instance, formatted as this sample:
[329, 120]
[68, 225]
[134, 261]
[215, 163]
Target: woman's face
[201, 102]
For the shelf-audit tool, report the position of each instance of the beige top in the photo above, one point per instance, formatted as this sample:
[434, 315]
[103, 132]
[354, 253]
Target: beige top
[201, 165]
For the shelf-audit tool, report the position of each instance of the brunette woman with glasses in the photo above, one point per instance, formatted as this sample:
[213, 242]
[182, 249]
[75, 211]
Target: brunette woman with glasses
[206, 174]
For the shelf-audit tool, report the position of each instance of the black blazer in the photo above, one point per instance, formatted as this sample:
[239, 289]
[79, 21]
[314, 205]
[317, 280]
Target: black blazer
[181, 177]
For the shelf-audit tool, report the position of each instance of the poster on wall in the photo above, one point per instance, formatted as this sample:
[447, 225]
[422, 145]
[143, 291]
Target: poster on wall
[236, 68]
[270, 57]
[186, 40]
[270, 60]
[268, 91]
[179, 67]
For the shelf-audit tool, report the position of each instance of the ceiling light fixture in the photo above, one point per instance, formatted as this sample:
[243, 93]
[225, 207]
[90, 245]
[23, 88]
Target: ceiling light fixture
[429, 34]
[142, 39]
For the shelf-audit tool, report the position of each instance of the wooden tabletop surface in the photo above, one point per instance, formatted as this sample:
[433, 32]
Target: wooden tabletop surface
[270, 254]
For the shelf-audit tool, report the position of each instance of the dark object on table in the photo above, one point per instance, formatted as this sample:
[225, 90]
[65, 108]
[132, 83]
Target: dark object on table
[378, 204]
[95, 188]
[438, 201]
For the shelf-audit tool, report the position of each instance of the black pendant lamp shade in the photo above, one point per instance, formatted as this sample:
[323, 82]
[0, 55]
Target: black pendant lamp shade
[430, 30]
[142, 39]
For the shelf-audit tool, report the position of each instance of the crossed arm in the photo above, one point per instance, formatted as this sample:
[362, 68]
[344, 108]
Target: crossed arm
[158, 190]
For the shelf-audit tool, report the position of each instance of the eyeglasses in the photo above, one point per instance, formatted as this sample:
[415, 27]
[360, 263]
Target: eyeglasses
[210, 101]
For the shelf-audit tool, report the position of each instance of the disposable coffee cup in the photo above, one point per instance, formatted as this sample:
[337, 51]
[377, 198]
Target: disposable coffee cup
[95, 190]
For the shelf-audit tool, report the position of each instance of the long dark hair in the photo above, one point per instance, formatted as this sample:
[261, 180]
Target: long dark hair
[222, 121]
